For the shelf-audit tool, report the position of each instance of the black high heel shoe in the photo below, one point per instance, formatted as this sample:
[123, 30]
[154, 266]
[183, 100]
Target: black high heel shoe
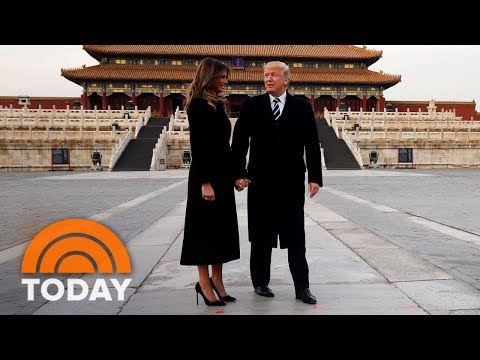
[227, 298]
[199, 290]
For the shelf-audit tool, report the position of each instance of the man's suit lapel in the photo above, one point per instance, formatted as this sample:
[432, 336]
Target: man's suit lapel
[267, 107]
[286, 108]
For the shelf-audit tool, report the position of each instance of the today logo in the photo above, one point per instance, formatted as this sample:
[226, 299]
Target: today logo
[76, 246]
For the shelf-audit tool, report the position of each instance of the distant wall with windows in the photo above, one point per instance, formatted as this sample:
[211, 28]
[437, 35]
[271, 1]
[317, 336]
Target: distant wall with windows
[464, 109]
[45, 102]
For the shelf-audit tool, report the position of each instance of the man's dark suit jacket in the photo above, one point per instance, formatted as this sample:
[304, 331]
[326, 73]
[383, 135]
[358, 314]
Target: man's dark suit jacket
[276, 166]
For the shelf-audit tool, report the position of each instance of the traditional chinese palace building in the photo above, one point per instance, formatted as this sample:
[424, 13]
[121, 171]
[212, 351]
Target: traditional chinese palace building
[158, 75]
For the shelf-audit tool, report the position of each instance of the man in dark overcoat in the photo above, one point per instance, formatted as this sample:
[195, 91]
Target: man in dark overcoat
[280, 133]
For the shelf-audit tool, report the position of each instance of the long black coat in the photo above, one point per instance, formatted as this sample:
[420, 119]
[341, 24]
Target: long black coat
[276, 167]
[211, 228]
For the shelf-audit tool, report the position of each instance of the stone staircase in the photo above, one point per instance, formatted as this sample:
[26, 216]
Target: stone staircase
[336, 152]
[138, 154]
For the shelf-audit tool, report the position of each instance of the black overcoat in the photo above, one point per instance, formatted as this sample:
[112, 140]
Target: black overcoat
[211, 228]
[276, 166]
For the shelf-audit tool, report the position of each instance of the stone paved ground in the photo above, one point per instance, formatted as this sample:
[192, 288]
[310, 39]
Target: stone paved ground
[379, 242]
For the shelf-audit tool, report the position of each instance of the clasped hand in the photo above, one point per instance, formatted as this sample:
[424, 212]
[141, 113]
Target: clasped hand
[207, 192]
[241, 184]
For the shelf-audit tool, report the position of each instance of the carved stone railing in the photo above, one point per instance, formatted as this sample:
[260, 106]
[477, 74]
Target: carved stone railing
[418, 134]
[389, 115]
[72, 114]
[178, 123]
[324, 166]
[180, 114]
[402, 124]
[147, 115]
[334, 125]
[119, 148]
[70, 118]
[354, 148]
[138, 126]
[159, 157]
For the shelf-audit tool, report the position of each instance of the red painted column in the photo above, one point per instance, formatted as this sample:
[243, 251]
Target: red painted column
[104, 101]
[378, 107]
[364, 103]
[312, 102]
[382, 103]
[163, 111]
[156, 106]
[134, 99]
[84, 101]
[338, 103]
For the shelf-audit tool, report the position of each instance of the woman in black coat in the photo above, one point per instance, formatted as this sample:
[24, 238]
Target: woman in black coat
[211, 228]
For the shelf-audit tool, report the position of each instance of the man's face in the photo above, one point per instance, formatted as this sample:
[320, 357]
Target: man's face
[275, 81]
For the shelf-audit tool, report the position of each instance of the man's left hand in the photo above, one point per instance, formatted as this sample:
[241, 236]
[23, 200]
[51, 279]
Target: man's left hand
[313, 188]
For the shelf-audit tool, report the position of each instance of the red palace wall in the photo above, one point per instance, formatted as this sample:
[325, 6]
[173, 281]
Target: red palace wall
[464, 109]
[45, 102]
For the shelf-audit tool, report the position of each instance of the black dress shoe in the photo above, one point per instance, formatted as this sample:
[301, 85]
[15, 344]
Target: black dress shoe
[263, 290]
[306, 296]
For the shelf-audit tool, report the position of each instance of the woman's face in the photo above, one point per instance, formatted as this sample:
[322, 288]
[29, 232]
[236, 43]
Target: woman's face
[219, 82]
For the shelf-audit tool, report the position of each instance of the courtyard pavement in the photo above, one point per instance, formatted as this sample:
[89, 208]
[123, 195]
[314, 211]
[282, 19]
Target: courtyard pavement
[387, 242]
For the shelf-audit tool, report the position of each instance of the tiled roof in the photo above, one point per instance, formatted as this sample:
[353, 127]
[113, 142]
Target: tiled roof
[186, 74]
[273, 52]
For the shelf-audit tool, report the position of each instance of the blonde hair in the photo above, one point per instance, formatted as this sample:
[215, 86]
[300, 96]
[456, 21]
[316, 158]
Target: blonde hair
[208, 71]
[281, 65]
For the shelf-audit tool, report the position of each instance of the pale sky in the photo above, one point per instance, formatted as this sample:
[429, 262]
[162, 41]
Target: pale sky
[439, 72]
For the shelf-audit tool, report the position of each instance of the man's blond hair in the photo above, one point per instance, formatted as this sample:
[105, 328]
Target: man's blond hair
[282, 65]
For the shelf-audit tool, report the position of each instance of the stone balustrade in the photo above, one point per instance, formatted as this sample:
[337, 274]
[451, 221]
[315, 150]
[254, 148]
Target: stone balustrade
[180, 114]
[386, 115]
[437, 139]
[27, 136]
[463, 135]
[178, 136]
[159, 157]
[177, 124]
[74, 124]
[402, 124]
[430, 149]
[49, 135]
[43, 113]
[42, 117]
[177, 139]
[119, 148]
[43, 123]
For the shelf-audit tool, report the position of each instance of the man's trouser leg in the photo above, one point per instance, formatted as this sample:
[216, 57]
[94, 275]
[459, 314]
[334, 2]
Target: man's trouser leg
[298, 266]
[260, 260]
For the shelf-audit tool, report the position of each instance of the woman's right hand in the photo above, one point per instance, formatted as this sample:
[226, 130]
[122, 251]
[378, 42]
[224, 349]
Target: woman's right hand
[207, 192]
